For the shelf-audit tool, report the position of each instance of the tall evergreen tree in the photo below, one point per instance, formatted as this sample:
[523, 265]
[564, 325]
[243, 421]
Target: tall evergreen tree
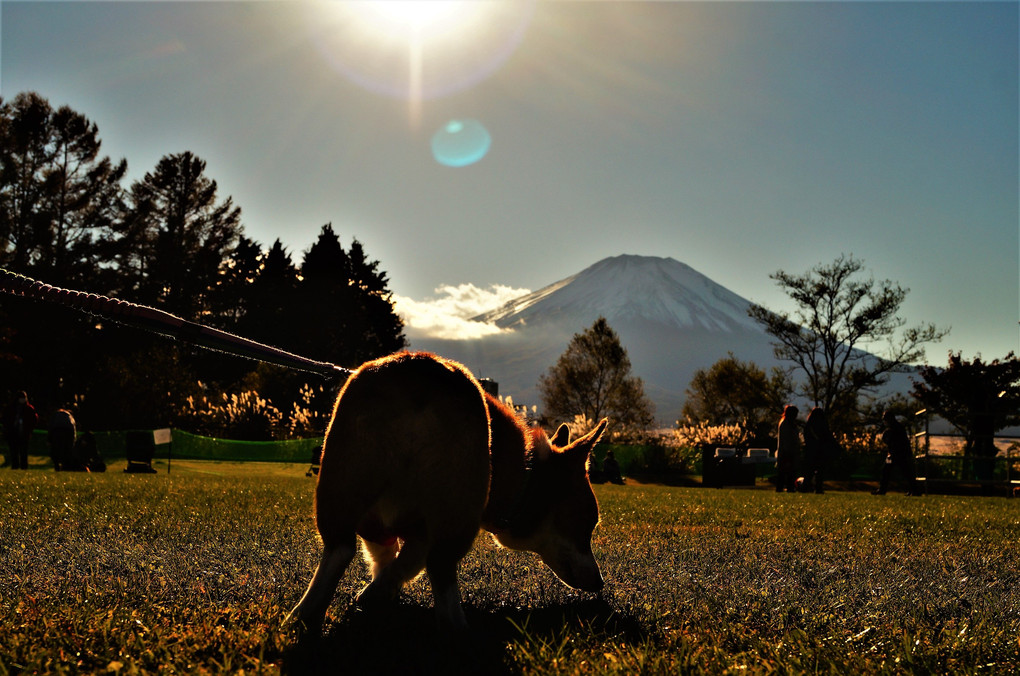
[233, 301]
[347, 303]
[178, 236]
[83, 197]
[58, 197]
[24, 154]
[272, 309]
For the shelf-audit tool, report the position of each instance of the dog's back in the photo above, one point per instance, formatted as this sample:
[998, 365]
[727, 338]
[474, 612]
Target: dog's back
[407, 451]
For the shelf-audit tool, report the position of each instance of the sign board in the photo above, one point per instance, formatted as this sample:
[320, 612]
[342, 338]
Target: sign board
[161, 436]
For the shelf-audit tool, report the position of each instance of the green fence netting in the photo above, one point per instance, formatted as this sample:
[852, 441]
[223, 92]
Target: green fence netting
[187, 446]
[195, 447]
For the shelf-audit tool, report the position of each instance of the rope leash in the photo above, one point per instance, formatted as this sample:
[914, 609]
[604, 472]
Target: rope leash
[163, 323]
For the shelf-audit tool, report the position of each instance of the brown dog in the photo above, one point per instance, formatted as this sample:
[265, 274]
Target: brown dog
[416, 459]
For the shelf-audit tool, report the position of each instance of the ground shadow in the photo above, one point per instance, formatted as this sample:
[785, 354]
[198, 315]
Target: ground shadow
[407, 639]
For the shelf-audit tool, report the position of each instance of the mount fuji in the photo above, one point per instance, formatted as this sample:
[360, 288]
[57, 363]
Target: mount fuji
[671, 319]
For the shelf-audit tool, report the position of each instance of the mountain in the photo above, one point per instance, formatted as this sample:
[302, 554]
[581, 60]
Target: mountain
[671, 319]
[631, 288]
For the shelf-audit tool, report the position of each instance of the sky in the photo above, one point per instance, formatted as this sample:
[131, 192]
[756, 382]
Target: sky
[740, 138]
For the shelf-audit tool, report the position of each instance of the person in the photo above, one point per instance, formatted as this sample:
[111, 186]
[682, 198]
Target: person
[819, 446]
[19, 421]
[787, 451]
[85, 456]
[61, 438]
[611, 469]
[898, 455]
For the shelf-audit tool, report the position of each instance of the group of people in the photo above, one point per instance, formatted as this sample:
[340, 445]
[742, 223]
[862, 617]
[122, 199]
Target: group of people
[819, 446]
[68, 450]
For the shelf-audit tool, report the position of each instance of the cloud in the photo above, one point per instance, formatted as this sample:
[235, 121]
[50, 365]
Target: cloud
[448, 314]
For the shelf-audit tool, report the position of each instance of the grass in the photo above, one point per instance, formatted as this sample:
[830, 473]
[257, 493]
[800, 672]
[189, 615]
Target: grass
[195, 571]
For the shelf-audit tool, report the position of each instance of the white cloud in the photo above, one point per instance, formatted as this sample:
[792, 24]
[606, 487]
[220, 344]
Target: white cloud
[448, 314]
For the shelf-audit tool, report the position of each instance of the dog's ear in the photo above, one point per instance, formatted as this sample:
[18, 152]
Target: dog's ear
[562, 436]
[580, 449]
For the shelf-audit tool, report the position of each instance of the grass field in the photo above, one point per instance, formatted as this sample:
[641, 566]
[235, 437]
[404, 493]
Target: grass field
[195, 571]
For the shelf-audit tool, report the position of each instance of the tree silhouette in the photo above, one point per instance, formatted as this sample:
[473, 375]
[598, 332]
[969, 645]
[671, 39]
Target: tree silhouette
[346, 303]
[272, 304]
[168, 241]
[732, 392]
[592, 378]
[177, 235]
[978, 398]
[83, 198]
[26, 135]
[57, 195]
[838, 315]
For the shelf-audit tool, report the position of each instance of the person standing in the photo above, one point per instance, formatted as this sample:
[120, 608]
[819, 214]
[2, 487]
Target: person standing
[819, 447]
[19, 421]
[787, 451]
[898, 455]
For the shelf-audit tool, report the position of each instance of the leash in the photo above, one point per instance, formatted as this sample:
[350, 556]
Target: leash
[163, 323]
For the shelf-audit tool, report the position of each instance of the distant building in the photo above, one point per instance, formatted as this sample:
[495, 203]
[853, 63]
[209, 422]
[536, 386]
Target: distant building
[490, 386]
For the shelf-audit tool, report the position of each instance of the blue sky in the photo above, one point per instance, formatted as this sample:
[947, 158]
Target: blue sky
[739, 138]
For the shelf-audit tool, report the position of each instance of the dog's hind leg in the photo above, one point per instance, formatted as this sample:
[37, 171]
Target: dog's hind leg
[386, 583]
[310, 611]
[442, 565]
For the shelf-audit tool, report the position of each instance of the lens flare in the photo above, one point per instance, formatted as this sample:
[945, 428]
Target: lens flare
[459, 143]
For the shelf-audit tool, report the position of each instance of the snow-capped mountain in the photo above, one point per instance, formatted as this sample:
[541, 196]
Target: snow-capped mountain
[671, 319]
[627, 288]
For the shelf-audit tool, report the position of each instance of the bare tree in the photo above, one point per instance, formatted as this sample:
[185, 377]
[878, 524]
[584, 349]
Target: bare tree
[840, 318]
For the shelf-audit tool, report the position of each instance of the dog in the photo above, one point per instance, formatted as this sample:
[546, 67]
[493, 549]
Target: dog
[417, 459]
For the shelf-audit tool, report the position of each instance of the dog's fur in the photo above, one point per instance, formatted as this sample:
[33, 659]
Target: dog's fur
[416, 459]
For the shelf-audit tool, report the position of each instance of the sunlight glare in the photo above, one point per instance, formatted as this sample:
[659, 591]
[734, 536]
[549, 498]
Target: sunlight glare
[417, 17]
[417, 49]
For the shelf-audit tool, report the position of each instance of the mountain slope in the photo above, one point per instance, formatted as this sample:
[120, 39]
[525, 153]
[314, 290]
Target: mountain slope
[671, 319]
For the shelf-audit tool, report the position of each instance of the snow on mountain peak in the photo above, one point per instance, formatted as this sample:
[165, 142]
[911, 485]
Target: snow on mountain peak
[628, 287]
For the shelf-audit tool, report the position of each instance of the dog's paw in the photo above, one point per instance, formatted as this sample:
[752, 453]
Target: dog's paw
[300, 628]
[376, 595]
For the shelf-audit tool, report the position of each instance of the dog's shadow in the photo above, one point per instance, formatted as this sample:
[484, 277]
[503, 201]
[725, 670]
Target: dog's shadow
[407, 639]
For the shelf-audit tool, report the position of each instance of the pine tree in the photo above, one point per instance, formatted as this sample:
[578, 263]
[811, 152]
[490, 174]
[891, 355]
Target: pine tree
[83, 196]
[346, 304]
[24, 153]
[58, 197]
[592, 379]
[272, 309]
[176, 236]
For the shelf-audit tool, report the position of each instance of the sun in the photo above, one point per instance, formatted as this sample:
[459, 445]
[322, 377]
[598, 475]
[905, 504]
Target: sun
[421, 19]
[418, 49]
